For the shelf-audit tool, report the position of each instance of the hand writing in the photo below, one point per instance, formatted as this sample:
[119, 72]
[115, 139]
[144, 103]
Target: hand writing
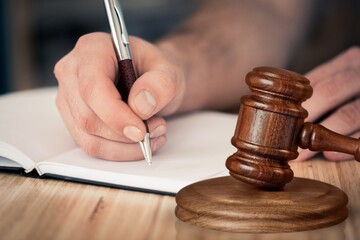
[102, 124]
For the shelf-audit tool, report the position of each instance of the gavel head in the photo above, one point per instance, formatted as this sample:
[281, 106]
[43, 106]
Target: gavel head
[269, 122]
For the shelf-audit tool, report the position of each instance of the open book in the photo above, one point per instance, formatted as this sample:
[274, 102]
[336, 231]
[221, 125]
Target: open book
[34, 137]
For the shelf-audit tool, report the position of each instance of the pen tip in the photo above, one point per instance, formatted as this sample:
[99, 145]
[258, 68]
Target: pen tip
[146, 149]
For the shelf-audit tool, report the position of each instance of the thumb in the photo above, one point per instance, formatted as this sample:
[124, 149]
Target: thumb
[155, 91]
[160, 86]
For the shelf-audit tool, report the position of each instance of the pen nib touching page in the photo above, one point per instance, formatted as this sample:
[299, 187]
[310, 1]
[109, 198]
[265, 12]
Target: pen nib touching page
[146, 148]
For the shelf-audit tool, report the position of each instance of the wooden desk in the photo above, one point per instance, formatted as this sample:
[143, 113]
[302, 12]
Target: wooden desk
[53, 209]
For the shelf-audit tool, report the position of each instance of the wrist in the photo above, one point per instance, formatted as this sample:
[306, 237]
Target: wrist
[180, 51]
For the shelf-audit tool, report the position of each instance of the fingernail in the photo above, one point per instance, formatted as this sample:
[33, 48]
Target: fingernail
[133, 133]
[145, 102]
[157, 132]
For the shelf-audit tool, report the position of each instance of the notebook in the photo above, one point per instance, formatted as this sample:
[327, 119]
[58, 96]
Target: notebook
[34, 139]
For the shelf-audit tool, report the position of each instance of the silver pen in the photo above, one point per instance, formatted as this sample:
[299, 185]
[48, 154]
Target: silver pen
[127, 75]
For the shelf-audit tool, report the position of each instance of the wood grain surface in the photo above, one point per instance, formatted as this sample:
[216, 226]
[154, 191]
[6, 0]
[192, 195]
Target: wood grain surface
[227, 204]
[53, 209]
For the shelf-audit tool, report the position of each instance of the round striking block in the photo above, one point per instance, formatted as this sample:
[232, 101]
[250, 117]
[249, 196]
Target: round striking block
[230, 205]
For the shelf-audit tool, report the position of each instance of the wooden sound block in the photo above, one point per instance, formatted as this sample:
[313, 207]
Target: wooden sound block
[227, 204]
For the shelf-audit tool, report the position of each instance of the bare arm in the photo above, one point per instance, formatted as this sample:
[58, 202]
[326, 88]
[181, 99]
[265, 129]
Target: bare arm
[202, 65]
[225, 39]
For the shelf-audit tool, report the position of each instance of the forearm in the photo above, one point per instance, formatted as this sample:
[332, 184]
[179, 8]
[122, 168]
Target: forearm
[225, 39]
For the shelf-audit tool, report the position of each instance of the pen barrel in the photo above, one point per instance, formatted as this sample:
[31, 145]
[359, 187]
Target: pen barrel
[126, 78]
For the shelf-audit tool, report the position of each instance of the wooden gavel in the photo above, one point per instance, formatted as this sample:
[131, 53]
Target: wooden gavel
[271, 126]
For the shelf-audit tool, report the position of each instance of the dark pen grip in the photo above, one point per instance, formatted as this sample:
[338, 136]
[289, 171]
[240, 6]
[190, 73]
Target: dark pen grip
[126, 78]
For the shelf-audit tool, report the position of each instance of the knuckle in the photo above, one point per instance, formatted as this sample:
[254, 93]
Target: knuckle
[350, 113]
[91, 38]
[84, 40]
[59, 70]
[331, 88]
[334, 87]
[87, 123]
[86, 84]
[91, 147]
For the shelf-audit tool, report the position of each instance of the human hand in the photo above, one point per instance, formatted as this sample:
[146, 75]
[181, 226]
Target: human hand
[335, 103]
[102, 124]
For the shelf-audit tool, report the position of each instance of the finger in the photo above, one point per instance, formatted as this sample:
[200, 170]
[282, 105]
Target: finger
[344, 120]
[333, 91]
[99, 92]
[115, 151]
[86, 120]
[67, 70]
[348, 59]
[80, 112]
[151, 93]
[305, 154]
[95, 64]
[333, 82]
[96, 73]
[335, 156]
[108, 149]
[96, 50]
[157, 127]
[74, 109]
[160, 87]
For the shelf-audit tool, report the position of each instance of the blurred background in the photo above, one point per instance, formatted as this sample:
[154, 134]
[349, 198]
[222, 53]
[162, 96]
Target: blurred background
[35, 34]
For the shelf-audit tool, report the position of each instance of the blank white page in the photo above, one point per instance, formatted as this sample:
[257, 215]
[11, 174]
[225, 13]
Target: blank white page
[197, 148]
[31, 128]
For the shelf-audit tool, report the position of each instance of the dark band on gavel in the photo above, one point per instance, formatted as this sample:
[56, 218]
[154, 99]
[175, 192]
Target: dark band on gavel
[271, 127]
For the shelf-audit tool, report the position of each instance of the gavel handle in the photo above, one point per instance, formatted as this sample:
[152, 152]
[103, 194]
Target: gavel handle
[318, 138]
